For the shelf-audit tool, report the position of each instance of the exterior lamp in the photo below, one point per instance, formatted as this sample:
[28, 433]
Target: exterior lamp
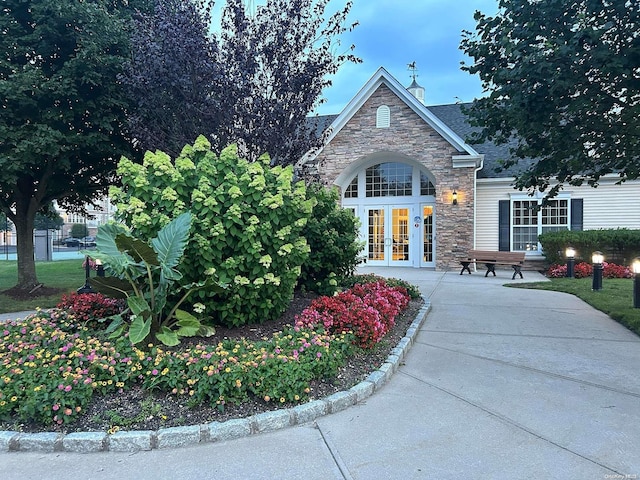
[86, 288]
[635, 266]
[597, 258]
[570, 253]
[454, 197]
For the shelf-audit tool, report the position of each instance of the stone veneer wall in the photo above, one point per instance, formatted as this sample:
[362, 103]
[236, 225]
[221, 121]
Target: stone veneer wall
[408, 134]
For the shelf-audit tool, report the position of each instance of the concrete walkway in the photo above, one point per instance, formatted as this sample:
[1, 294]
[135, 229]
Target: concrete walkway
[501, 383]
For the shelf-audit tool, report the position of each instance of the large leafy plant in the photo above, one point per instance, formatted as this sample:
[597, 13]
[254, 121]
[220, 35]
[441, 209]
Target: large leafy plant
[146, 274]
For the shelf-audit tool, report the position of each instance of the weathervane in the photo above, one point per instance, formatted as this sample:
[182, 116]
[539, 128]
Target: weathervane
[413, 69]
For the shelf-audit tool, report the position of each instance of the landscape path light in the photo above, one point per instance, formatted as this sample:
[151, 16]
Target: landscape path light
[100, 268]
[635, 266]
[570, 253]
[597, 258]
[86, 288]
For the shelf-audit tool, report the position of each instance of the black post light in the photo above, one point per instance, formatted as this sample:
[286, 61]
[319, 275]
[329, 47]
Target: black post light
[597, 258]
[86, 288]
[570, 253]
[635, 266]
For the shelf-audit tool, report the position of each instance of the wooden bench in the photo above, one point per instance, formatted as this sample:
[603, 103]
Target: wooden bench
[490, 259]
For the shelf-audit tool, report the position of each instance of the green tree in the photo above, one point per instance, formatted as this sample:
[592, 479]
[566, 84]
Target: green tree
[47, 218]
[62, 108]
[564, 87]
[5, 224]
[79, 230]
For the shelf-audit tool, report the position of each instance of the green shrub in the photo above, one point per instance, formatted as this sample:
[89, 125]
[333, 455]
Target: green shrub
[332, 235]
[248, 224]
[618, 245]
[362, 279]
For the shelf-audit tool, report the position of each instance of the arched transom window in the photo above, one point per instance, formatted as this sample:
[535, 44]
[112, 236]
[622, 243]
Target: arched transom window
[389, 179]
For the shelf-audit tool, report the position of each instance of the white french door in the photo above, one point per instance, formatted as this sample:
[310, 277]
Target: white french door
[388, 235]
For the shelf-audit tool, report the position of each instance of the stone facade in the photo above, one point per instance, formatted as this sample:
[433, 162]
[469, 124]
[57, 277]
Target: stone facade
[410, 136]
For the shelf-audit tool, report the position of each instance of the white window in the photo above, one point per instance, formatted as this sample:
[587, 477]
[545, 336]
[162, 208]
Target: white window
[528, 220]
[383, 117]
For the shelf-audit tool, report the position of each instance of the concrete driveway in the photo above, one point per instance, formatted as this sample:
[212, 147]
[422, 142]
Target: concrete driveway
[501, 383]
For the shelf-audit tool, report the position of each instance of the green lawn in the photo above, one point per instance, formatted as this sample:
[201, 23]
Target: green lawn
[615, 299]
[64, 274]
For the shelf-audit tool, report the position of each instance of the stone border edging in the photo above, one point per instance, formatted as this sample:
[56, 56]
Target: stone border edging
[173, 437]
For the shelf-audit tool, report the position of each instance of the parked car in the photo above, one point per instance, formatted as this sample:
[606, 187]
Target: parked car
[72, 242]
[88, 242]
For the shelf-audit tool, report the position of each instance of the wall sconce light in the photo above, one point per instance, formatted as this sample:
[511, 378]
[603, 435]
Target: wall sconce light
[597, 258]
[454, 197]
[635, 266]
[570, 253]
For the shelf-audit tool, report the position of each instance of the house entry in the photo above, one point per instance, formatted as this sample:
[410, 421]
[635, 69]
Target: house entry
[395, 203]
[388, 235]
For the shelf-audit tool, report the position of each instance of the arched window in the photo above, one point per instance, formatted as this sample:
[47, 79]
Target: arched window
[352, 189]
[426, 187]
[383, 117]
[389, 180]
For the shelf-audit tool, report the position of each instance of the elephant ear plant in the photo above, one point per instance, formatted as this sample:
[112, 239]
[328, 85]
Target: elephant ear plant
[145, 275]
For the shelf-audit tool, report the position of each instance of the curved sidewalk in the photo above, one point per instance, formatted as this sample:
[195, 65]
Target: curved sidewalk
[500, 383]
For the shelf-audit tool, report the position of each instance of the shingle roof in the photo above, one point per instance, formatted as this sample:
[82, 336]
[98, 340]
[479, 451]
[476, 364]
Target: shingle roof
[456, 120]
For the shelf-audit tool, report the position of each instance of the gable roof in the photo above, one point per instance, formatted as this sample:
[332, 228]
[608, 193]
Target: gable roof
[383, 77]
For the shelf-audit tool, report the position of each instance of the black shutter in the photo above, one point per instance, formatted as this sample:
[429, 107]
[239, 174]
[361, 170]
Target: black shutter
[504, 232]
[576, 214]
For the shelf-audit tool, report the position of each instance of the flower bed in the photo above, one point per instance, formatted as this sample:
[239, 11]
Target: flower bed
[50, 366]
[584, 269]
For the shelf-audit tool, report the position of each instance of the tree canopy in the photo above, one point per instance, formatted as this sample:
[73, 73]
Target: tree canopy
[63, 111]
[563, 84]
[252, 84]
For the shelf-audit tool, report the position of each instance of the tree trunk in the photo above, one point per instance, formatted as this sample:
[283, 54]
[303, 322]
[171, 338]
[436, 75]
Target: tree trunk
[24, 221]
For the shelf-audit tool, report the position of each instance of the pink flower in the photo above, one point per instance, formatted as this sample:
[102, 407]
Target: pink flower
[55, 408]
[67, 388]
[154, 371]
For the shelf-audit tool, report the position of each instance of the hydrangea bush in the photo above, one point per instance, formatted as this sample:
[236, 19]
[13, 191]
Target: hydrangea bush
[248, 227]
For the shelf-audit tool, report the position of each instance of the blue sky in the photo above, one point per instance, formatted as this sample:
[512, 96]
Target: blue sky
[393, 33]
